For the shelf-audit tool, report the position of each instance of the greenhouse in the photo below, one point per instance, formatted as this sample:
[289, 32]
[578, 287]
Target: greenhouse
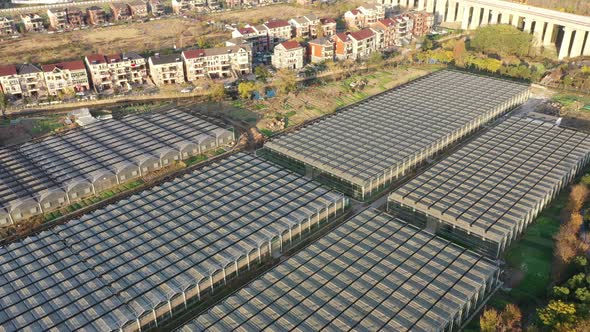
[486, 193]
[161, 250]
[371, 273]
[363, 148]
[100, 156]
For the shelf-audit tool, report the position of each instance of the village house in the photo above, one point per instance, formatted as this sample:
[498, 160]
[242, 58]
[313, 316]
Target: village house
[76, 17]
[32, 81]
[328, 26]
[156, 8]
[166, 69]
[278, 32]
[120, 11]
[32, 23]
[182, 6]
[254, 36]
[9, 82]
[363, 16]
[99, 72]
[58, 18]
[136, 67]
[217, 63]
[354, 45]
[422, 23]
[404, 28]
[379, 36]
[288, 55]
[7, 27]
[305, 26]
[66, 77]
[389, 27]
[96, 15]
[320, 50]
[138, 9]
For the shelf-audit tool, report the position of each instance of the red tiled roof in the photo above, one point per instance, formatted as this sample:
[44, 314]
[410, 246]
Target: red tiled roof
[246, 31]
[387, 22]
[355, 12]
[96, 58]
[7, 70]
[277, 24]
[343, 36]
[327, 20]
[111, 57]
[290, 44]
[191, 54]
[362, 34]
[70, 65]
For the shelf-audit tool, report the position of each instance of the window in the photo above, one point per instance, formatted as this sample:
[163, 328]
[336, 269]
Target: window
[156, 165]
[3, 220]
[134, 173]
[18, 215]
[86, 190]
[33, 210]
[145, 169]
[47, 205]
[74, 195]
[60, 200]
[122, 177]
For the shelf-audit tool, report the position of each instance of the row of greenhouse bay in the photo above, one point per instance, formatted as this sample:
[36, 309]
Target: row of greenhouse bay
[147, 259]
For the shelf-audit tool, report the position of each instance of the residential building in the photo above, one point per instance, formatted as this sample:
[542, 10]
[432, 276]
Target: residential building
[404, 28]
[389, 27]
[217, 63]
[354, 45]
[99, 72]
[118, 71]
[138, 9]
[328, 26]
[288, 55]
[278, 32]
[379, 36]
[255, 36]
[66, 77]
[96, 15]
[156, 8]
[166, 69]
[364, 16]
[33, 23]
[136, 67]
[120, 11]
[32, 81]
[214, 4]
[75, 17]
[9, 82]
[320, 50]
[305, 26]
[58, 18]
[181, 6]
[422, 23]
[7, 27]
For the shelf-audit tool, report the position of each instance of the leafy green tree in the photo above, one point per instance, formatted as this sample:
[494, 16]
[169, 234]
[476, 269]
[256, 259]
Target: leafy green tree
[583, 294]
[576, 281]
[561, 292]
[217, 91]
[261, 73]
[502, 39]
[286, 81]
[245, 89]
[557, 314]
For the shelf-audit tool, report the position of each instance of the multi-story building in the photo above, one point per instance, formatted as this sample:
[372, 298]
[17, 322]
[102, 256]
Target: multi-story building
[328, 26]
[75, 17]
[404, 28]
[422, 23]
[166, 69]
[33, 23]
[9, 82]
[364, 16]
[255, 36]
[320, 50]
[305, 26]
[138, 9]
[32, 81]
[156, 8]
[58, 18]
[66, 77]
[182, 6]
[354, 45]
[379, 36]
[96, 15]
[217, 63]
[7, 27]
[278, 32]
[389, 27]
[120, 11]
[98, 70]
[288, 55]
[136, 67]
